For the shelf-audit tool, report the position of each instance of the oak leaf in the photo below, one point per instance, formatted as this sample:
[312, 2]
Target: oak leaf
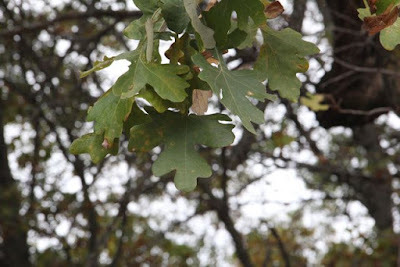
[236, 87]
[180, 134]
[282, 56]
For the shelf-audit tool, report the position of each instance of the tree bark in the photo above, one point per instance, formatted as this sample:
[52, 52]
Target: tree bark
[350, 87]
[362, 76]
[13, 228]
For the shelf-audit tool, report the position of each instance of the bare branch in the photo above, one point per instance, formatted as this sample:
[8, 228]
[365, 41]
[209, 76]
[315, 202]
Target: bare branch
[70, 16]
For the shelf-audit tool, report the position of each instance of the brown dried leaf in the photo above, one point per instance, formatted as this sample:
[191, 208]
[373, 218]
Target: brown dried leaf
[209, 56]
[274, 10]
[200, 101]
[375, 24]
[212, 60]
[210, 4]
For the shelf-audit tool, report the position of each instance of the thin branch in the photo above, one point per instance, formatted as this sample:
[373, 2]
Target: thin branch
[307, 135]
[372, 112]
[222, 210]
[281, 245]
[70, 16]
[365, 69]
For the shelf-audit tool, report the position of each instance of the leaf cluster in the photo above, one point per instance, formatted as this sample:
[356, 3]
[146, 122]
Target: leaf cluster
[176, 91]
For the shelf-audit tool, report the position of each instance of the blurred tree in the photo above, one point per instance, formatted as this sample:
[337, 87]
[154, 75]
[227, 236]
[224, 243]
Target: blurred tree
[44, 44]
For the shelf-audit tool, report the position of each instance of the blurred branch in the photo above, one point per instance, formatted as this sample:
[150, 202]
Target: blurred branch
[222, 210]
[307, 134]
[282, 248]
[112, 227]
[297, 17]
[281, 245]
[365, 69]
[68, 17]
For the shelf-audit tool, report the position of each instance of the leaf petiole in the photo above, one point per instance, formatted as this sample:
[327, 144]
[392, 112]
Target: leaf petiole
[150, 39]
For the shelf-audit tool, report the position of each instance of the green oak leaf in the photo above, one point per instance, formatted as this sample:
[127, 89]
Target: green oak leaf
[219, 19]
[136, 30]
[236, 86]
[180, 135]
[164, 78]
[136, 117]
[93, 144]
[175, 15]
[206, 34]
[282, 56]
[390, 36]
[147, 6]
[382, 5]
[109, 113]
[159, 104]
[251, 32]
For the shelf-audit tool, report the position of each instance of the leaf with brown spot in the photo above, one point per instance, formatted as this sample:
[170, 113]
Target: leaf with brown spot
[200, 101]
[109, 113]
[235, 87]
[93, 145]
[273, 10]
[281, 57]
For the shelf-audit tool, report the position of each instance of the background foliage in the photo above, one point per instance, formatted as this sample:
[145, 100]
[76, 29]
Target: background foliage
[63, 210]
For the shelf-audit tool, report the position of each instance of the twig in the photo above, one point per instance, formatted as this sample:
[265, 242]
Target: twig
[281, 246]
[365, 69]
[69, 16]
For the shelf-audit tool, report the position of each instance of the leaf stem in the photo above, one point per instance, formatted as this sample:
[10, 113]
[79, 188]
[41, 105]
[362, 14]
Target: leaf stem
[150, 39]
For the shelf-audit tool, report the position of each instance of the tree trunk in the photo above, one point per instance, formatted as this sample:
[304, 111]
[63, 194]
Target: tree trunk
[351, 88]
[13, 228]
[356, 80]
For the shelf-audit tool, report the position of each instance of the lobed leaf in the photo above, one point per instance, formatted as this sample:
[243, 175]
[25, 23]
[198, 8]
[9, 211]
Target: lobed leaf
[175, 15]
[93, 144]
[206, 34]
[180, 134]
[219, 19]
[164, 78]
[282, 56]
[235, 86]
[109, 113]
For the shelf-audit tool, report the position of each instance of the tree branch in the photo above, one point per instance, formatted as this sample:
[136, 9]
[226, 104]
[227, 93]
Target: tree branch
[222, 210]
[67, 17]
